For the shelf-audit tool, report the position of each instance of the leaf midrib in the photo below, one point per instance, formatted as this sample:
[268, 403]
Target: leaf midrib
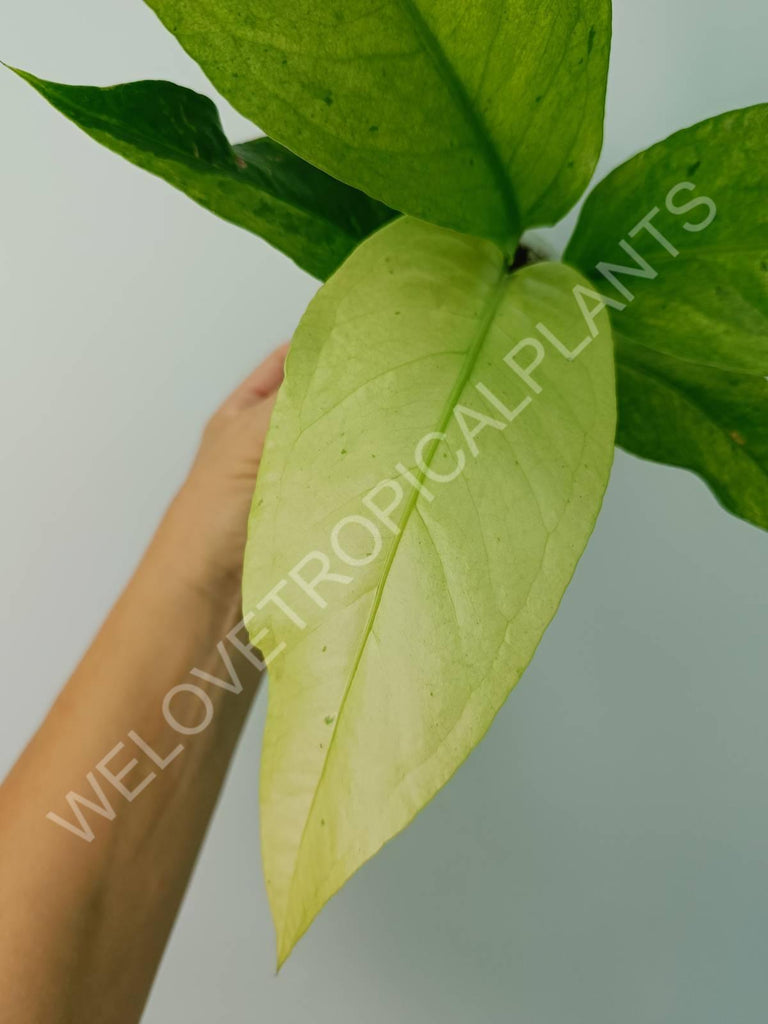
[462, 378]
[450, 76]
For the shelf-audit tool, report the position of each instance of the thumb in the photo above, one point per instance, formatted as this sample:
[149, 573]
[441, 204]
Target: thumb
[262, 383]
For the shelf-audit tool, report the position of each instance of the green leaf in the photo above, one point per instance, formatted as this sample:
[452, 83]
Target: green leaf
[483, 116]
[394, 668]
[703, 419]
[709, 303]
[176, 134]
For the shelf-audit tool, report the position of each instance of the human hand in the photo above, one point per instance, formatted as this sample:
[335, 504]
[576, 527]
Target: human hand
[209, 516]
[61, 907]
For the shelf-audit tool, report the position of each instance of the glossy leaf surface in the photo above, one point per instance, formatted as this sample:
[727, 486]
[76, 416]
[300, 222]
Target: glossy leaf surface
[261, 186]
[708, 300]
[395, 411]
[692, 336]
[710, 421]
[480, 115]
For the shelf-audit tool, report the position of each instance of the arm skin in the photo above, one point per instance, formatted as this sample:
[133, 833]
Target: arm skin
[83, 924]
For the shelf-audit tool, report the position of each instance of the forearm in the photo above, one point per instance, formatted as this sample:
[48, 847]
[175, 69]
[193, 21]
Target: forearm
[89, 913]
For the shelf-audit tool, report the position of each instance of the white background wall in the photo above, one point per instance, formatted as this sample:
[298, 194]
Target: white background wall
[602, 856]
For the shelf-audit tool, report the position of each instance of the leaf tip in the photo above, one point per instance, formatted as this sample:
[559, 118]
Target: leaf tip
[285, 944]
[26, 75]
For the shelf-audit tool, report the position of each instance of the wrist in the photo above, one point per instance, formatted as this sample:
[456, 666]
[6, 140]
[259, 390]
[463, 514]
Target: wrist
[187, 552]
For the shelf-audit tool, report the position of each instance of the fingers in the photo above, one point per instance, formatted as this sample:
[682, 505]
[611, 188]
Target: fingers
[261, 383]
[257, 421]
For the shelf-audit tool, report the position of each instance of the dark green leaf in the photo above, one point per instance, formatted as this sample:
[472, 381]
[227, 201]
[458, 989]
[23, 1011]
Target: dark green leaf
[480, 115]
[176, 134]
[708, 304]
[704, 419]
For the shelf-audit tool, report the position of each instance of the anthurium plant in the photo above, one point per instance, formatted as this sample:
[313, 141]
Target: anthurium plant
[441, 444]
